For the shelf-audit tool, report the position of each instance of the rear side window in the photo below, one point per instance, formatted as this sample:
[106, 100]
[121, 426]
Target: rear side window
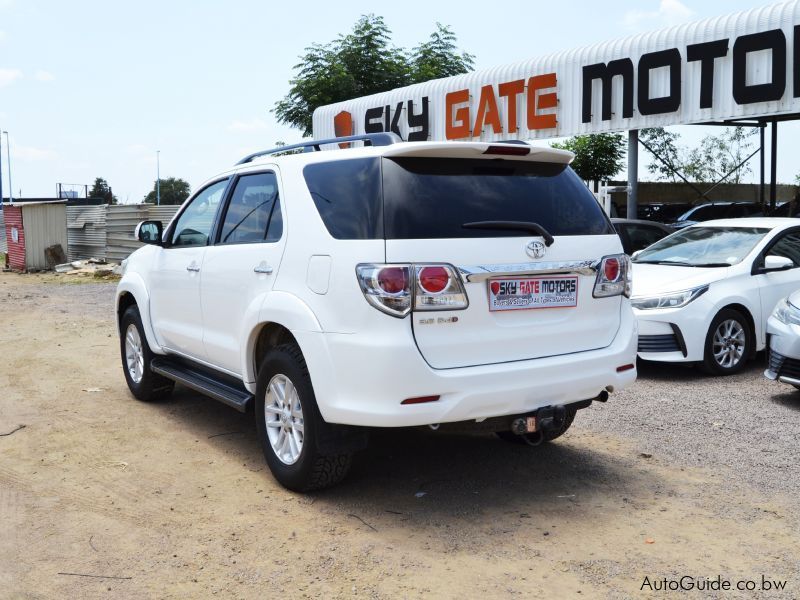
[347, 194]
[429, 198]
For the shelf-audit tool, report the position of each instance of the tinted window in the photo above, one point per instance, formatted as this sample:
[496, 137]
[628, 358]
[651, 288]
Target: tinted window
[787, 246]
[347, 194]
[253, 203]
[194, 224]
[706, 213]
[426, 198]
[641, 236]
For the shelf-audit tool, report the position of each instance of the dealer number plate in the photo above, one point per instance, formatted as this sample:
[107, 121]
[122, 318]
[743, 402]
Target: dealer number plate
[533, 292]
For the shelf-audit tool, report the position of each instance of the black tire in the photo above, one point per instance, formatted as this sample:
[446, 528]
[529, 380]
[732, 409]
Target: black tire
[535, 438]
[739, 345]
[312, 469]
[151, 386]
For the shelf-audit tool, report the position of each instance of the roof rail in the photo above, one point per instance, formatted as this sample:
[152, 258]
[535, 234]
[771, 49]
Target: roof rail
[372, 139]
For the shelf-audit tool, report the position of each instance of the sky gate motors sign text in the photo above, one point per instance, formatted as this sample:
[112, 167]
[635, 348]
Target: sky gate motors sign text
[702, 75]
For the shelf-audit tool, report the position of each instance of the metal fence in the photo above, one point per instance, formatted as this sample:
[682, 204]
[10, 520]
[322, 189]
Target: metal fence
[106, 232]
[86, 232]
[121, 221]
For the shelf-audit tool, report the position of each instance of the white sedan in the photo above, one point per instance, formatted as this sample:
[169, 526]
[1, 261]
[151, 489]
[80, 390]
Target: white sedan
[704, 294]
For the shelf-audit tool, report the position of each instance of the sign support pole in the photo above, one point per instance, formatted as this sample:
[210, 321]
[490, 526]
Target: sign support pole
[633, 172]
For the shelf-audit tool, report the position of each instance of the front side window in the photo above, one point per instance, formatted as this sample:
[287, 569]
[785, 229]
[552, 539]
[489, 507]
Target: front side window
[788, 246]
[194, 225]
[253, 213]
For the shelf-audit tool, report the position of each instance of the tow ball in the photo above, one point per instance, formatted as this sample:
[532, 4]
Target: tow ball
[549, 418]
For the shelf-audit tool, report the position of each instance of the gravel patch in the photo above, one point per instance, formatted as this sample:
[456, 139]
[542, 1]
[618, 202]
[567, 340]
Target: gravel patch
[744, 423]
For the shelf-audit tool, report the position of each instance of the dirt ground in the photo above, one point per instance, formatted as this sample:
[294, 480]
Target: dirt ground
[102, 496]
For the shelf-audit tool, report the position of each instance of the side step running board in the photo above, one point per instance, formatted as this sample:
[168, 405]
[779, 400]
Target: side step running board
[204, 382]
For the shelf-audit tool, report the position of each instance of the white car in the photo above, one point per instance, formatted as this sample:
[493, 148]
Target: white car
[394, 285]
[783, 331]
[704, 294]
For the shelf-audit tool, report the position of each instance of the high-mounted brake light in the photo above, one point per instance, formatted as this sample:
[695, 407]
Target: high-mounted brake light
[519, 150]
[398, 289]
[613, 277]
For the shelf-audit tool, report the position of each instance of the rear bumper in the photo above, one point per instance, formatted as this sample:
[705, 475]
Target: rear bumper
[361, 379]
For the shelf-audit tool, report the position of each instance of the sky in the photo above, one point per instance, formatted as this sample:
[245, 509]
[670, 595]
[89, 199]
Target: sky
[94, 89]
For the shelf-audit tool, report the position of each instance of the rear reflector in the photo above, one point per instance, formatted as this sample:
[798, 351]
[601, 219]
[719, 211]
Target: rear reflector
[624, 368]
[509, 150]
[420, 400]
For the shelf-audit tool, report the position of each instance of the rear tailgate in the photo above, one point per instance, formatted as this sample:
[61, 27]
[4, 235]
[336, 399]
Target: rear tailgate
[510, 315]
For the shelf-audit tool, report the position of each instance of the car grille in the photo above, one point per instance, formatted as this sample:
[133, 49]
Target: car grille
[784, 367]
[659, 343]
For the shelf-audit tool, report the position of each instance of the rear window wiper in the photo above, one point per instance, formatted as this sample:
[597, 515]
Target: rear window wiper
[513, 226]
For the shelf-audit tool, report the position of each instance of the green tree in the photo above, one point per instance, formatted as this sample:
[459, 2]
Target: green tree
[361, 63]
[173, 191]
[598, 157]
[101, 189]
[439, 57]
[715, 157]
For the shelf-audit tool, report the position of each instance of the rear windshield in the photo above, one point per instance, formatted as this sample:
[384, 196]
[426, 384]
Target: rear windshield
[431, 198]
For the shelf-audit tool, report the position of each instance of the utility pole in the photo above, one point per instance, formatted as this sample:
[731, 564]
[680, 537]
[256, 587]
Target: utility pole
[8, 157]
[158, 177]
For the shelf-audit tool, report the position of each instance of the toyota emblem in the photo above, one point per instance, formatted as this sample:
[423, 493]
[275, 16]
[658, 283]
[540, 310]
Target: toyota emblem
[536, 249]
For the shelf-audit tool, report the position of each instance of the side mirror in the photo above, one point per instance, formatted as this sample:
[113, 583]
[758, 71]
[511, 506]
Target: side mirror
[149, 232]
[777, 263]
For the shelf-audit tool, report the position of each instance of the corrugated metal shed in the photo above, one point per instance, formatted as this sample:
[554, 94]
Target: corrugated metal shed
[3, 245]
[15, 236]
[45, 224]
[86, 231]
[561, 96]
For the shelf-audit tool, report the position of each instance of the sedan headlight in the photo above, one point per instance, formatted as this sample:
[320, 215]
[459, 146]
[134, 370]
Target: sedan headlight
[674, 300]
[787, 313]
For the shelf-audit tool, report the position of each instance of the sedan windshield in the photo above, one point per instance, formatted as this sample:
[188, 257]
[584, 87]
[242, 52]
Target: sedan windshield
[704, 247]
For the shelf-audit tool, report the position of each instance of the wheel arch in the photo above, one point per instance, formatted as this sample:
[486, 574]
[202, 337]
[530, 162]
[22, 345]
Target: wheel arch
[132, 291]
[281, 314]
[747, 313]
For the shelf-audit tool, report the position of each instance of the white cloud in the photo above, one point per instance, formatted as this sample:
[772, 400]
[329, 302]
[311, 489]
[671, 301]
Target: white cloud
[30, 153]
[670, 12]
[248, 126]
[44, 76]
[9, 76]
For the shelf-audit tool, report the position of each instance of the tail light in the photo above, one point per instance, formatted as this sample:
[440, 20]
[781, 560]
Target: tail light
[613, 277]
[439, 287]
[399, 288]
[387, 287]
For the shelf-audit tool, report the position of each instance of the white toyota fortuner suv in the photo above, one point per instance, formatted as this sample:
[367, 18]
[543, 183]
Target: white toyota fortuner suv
[387, 285]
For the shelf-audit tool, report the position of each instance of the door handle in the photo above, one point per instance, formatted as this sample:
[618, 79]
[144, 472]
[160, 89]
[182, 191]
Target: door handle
[194, 268]
[263, 269]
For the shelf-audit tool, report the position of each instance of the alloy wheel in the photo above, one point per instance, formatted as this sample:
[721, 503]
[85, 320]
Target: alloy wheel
[728, 344]
[134, 353]
[283, 416]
